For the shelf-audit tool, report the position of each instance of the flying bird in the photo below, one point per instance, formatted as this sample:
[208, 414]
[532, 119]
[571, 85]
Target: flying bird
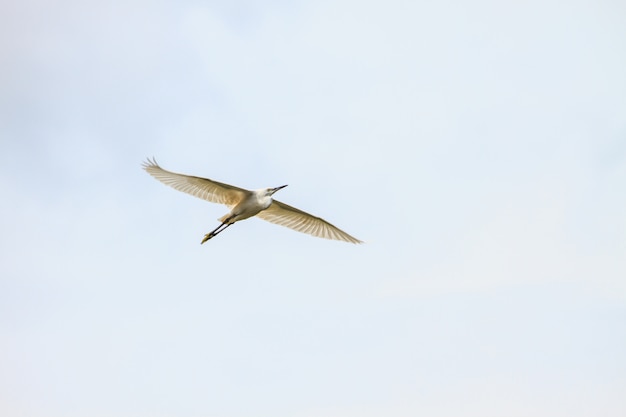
[244, 204]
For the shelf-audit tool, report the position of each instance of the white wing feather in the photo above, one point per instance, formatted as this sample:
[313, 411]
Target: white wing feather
[300, 221]
[204, 188]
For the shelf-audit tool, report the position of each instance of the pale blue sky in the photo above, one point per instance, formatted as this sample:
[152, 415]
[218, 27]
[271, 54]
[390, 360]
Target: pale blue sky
[478, 147]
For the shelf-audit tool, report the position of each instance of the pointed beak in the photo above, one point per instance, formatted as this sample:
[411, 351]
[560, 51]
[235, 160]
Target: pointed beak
[278, 188]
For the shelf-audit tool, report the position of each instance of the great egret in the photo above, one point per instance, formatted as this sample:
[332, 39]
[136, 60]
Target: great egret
[244, 204]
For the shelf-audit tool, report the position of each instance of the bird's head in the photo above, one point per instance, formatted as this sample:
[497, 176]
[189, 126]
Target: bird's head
[271, 191]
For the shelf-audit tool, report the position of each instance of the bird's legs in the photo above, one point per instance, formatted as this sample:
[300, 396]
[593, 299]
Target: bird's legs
[217, 231]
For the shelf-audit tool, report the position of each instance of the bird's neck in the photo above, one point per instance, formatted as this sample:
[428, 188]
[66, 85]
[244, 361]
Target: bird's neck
[264, 200]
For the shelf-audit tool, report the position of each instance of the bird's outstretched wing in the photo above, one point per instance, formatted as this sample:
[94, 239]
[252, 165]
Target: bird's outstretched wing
[285, 215]
[204, 188]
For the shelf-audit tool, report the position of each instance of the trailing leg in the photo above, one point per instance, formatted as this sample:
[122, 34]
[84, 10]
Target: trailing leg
[215, 232]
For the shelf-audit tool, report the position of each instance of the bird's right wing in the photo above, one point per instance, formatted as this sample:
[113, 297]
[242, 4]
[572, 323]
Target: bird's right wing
[285, 215]
[204, 188]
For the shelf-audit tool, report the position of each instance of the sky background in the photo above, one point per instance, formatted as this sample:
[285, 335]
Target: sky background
[479, 148]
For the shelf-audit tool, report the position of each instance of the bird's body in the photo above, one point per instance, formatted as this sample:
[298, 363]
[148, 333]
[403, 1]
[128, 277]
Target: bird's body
[245, 204]
[252, 204]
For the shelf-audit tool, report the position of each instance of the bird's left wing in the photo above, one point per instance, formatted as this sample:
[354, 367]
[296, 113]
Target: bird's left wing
[204, 188]
[285, 215]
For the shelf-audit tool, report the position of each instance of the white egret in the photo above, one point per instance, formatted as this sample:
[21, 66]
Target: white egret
[244, 204]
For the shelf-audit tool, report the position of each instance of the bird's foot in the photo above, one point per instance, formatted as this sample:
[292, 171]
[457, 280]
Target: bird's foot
[207, 237]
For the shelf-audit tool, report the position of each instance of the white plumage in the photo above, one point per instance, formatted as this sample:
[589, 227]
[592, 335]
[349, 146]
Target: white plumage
[245, 203]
